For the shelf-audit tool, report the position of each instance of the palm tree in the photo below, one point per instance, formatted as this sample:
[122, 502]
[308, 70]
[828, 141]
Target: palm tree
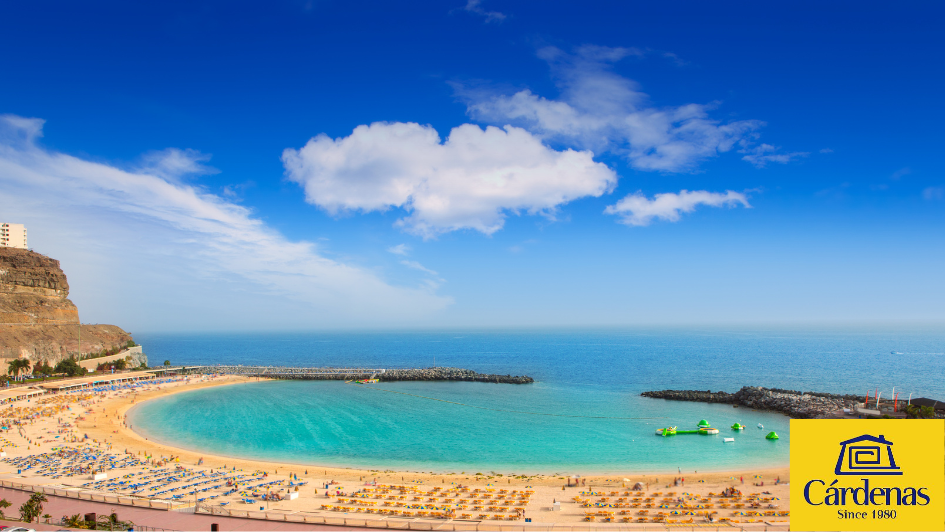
[75, 521]
[32, 508]
[17, 364]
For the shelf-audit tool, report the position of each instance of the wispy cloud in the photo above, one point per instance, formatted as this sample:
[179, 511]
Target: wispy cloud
[603, 111]
[900, 173]
[471, 180]
[173, 163]
[475, 6]
[414, 265]
[192, 257]
[763, 154]
[399, 249]
[637, 209]
[934, 193]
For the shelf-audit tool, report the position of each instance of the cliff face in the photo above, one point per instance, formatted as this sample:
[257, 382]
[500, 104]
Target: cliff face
[37, 320]
[33, 289]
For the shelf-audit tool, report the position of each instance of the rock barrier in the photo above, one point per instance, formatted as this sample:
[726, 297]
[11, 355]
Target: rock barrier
[385, 375]
[450, 374]
[795, 404]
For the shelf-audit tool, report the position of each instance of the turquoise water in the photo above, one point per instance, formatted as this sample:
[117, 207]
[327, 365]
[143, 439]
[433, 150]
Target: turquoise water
[583, 415]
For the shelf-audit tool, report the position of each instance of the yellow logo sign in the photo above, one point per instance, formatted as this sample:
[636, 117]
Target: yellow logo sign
[883, 474]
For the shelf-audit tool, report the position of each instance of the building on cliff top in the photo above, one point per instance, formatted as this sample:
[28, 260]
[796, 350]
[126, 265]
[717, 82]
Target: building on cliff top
[13, 235]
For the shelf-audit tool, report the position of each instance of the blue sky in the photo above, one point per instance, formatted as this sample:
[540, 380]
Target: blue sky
[324, 164]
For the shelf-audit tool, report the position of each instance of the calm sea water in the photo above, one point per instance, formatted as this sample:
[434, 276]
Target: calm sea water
[584, 413]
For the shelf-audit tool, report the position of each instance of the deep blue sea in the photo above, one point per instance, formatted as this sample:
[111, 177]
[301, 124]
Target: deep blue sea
[584, 414]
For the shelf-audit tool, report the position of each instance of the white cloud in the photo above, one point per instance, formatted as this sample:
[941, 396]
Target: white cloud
[469, 181]
[414, 265]
[600, 110]
[399, 249]
[899, 174]
[144, 251]
[637, 209]
[475, 6]
[174, 163]
[934, 193]
[763, 154]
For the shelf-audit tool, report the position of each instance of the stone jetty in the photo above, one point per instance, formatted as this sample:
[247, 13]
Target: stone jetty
[795, 404]
[349, 374]
[450, 374]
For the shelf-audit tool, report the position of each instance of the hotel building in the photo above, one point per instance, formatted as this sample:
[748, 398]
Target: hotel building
[13, 236]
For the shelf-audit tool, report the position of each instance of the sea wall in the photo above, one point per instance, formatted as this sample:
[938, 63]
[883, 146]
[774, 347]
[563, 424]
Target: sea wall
[135, 356]
[387, 375]
[795, 404]
[450, 374]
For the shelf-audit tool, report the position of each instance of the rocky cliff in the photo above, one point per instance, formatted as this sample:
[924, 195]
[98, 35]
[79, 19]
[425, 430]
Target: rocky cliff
[37, 319]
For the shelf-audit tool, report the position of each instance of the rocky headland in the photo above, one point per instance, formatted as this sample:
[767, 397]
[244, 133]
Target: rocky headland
[792, 403]
[37, 319]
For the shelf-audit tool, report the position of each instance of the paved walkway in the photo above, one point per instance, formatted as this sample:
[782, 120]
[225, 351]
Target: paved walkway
[160, 519]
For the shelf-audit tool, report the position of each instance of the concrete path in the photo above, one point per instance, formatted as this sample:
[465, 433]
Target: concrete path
[158, 519]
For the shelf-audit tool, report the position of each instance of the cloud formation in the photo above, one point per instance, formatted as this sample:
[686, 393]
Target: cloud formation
[638, 210]
[195, 258]
[603, 111]
[414, 265]
[934, 193]
[399, 249]
[763, 154]
[472, 180]
[173, 163]
[475, 6]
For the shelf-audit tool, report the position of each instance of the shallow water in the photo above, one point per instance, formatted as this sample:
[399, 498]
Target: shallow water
[583, 415]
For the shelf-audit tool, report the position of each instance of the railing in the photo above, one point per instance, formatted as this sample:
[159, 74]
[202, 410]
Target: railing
[65, 523]
[310, 518]
[97, 496]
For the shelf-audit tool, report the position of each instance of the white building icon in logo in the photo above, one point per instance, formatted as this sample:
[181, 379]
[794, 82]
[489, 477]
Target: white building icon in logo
[867, 455]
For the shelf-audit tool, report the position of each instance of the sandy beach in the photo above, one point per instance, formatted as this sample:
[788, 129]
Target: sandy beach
[609, 497]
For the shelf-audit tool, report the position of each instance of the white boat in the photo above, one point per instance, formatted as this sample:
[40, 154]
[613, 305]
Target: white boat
[728, 440]
[760, 426]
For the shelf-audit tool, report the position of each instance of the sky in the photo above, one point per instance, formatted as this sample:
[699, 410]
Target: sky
[322, 165]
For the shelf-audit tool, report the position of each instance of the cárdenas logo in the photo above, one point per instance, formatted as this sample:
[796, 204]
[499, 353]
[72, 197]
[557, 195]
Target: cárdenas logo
[857, 474]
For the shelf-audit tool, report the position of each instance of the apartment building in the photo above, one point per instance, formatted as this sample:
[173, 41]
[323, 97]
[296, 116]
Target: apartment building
[13, 236]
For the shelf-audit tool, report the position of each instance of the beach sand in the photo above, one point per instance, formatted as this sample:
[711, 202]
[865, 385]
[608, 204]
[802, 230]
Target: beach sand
[103, 422]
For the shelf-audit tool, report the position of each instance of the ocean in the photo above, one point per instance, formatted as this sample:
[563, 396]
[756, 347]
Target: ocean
[583, 414]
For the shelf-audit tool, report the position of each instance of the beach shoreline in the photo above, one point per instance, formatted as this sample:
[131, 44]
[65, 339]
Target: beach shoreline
[119, 408]
[64, 441]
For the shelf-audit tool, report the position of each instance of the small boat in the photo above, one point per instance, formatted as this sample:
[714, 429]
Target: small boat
[728, 440]
[760, 426]
[738, 426]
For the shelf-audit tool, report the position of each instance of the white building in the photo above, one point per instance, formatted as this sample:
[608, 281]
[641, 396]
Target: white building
[13, 236]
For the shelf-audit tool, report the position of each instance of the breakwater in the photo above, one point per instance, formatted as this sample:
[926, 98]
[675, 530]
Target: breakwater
[381, 374]
[450, 374]
[795, 404]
